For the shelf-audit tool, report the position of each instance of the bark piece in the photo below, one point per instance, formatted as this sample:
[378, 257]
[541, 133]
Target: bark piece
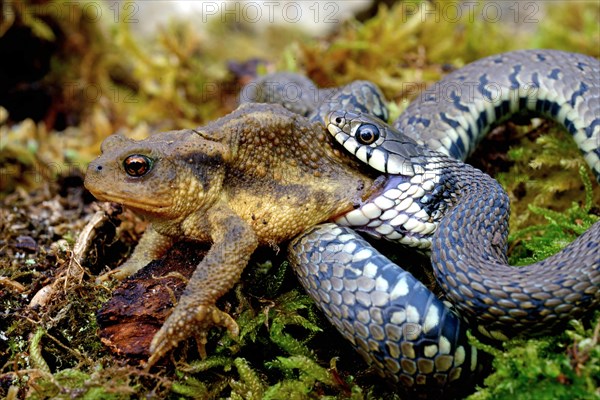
[142, 302]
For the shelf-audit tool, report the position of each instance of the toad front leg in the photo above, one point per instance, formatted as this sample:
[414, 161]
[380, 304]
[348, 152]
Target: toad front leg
[151, 246]
[233, 243]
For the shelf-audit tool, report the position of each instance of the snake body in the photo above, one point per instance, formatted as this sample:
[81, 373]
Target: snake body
[468, 243]
[433, 201]
[396, 324]
[454, 114]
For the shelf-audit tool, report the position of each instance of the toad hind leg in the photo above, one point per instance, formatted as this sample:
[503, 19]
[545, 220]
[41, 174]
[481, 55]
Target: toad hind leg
[233, 243]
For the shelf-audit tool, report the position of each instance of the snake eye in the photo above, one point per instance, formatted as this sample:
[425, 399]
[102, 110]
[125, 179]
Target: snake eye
[339, 120]
[137, 165]
[367, 134]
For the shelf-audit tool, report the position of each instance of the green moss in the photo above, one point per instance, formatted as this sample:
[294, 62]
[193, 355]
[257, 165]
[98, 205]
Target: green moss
[302, 382]
[74, 383]
[544, 173]
[561, 367]
[560, 229]
[278, 324]
[577, 31]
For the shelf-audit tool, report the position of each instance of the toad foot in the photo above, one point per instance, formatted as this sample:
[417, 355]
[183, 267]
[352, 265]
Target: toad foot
[120, 273]
[185, 323]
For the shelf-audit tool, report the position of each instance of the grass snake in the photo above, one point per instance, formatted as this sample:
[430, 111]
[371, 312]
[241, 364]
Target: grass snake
[434, 202]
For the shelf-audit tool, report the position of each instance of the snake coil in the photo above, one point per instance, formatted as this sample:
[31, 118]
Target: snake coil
[434, 202]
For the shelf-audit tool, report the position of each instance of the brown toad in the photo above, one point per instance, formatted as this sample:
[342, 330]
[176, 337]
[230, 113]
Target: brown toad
[258, 176]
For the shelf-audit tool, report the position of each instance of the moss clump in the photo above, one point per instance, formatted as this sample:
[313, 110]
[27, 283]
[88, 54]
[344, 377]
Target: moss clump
[543, 240]
[562, 367]
[273, 356]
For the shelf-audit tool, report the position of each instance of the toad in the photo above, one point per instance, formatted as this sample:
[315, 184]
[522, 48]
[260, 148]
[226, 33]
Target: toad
[258, 176]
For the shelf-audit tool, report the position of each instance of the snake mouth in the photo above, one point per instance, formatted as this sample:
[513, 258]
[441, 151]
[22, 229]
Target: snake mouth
[397, 211]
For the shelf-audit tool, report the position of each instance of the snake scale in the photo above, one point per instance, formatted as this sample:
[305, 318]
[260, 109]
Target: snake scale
[434, 202]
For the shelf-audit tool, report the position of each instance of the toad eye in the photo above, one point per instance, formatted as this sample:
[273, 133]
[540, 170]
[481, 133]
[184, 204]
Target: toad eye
[137, 165]
[367, 134]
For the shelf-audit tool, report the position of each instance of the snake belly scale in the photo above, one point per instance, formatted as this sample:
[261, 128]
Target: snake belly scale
[434, 202]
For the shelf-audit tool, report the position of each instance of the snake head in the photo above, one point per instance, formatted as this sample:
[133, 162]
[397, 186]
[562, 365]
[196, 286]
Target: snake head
[376, 143]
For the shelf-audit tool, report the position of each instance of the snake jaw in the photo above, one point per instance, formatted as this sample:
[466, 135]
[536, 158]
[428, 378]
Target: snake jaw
[393, 214]
[407, 210]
